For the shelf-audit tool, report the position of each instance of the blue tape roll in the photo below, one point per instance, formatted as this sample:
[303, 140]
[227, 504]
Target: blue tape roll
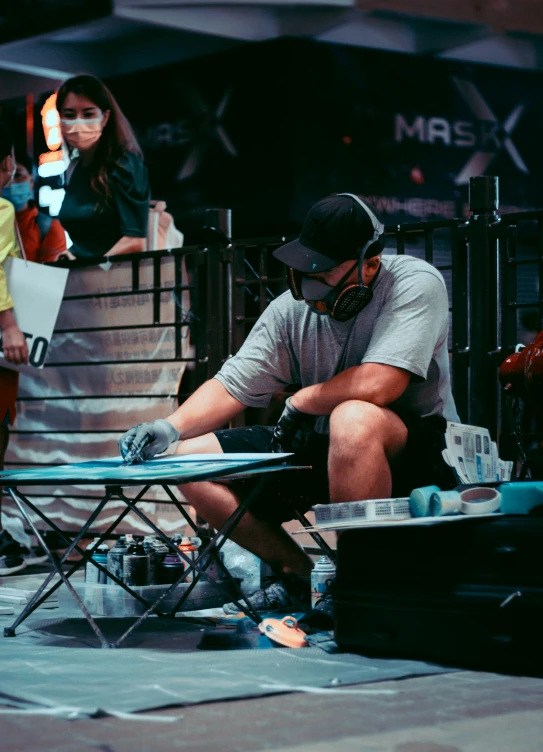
[444, 503]
[419, 500]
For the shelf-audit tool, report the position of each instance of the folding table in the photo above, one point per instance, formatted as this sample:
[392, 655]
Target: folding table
[165, 471]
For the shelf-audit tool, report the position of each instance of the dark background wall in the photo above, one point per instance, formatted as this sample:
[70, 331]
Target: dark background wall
[269, 128]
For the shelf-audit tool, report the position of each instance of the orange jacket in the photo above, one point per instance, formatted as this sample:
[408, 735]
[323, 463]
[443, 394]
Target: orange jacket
[35, 248]
[40, 251]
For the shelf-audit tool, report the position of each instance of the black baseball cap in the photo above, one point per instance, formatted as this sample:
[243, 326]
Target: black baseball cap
[336, 229]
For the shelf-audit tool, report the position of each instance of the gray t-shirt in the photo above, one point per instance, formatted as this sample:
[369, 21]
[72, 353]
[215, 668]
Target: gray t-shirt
[405, 325]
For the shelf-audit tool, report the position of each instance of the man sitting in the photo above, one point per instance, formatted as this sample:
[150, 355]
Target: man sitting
[366, 337]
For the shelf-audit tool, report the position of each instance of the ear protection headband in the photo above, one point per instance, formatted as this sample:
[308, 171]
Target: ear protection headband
[378, 227]
[343, 302]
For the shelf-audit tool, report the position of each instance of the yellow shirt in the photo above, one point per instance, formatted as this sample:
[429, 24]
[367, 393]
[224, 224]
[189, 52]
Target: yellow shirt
[8, 247]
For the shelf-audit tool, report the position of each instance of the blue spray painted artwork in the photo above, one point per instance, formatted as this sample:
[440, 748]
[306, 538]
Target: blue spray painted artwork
[172, 468]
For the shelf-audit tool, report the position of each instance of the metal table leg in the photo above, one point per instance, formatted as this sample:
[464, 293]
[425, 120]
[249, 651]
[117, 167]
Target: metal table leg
[10, 632]
[42, 594]
[319, 540]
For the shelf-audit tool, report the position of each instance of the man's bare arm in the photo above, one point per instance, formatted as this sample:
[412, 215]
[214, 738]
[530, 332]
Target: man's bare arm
[208, 409]
[371, 382]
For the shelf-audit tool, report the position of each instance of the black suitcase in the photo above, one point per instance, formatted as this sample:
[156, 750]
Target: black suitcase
[466, 593]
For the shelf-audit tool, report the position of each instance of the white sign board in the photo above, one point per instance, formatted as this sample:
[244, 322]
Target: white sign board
[37, 293]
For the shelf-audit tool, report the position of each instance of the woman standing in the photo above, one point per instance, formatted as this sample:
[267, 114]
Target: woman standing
[107, 193]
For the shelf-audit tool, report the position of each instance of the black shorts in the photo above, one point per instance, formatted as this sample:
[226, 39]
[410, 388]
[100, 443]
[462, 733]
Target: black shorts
[420, 464]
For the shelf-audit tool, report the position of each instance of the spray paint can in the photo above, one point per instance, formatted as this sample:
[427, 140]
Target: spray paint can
[322, 574]
[161, 551]
[189, 546]
[93, 576]
[115, 559]
[91, 573]
[149, 547]
[135, 566]
[171, 568]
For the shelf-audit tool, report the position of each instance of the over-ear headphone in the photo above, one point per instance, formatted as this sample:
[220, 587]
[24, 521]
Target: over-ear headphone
[344, 302]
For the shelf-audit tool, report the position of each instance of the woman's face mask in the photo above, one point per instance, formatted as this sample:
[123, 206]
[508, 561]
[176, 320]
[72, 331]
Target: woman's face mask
[18, 193]
[82, 133]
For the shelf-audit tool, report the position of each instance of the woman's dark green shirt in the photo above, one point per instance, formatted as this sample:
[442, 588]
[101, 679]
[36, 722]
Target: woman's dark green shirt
[95, 226]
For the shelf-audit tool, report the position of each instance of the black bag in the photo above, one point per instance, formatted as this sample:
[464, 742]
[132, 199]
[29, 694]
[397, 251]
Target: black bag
[464, 593]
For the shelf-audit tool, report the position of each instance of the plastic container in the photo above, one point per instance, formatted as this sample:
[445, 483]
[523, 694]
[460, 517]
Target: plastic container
[521, 498]
[108, 600]
[359, 513]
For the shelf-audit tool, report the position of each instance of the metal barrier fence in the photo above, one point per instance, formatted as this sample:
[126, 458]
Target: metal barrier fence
[120, 354]
[488, 263]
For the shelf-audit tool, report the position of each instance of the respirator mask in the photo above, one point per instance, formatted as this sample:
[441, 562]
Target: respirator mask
[341, 301]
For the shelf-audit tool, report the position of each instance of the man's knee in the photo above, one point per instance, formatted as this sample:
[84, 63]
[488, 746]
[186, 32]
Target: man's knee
[356, 420]
[355, 424]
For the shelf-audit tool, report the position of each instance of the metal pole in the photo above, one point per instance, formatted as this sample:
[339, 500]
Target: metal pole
[483, 297]
[218, 230]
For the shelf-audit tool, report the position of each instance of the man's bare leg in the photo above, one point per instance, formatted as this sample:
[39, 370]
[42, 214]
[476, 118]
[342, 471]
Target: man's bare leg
[364, 440]
[215, 503]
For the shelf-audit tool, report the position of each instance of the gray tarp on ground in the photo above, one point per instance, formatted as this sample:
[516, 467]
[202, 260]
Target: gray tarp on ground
[55, 665]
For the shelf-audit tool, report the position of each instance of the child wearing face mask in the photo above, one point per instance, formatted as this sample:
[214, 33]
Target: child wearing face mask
[42, 236]
[106, 204]
[13, 341]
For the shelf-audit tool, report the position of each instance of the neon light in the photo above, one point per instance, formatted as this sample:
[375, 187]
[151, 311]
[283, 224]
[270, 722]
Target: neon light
[50, 156]
[51, 197]
[50, 169]
[51, 123]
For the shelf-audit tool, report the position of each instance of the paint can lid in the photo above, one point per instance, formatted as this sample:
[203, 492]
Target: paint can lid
[284, 631]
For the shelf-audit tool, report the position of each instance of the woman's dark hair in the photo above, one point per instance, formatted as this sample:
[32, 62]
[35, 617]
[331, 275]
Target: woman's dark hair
[6, 142]
[117, 137]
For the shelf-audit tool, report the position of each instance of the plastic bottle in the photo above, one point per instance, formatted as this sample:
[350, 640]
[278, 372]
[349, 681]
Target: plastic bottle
[115, 559]
[135, 566]
[323, 572]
